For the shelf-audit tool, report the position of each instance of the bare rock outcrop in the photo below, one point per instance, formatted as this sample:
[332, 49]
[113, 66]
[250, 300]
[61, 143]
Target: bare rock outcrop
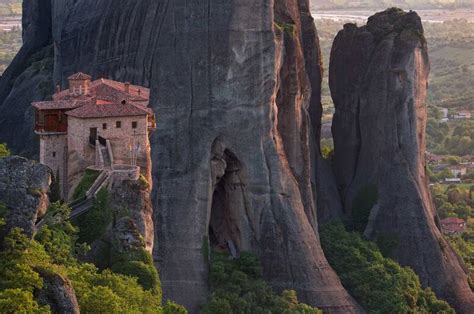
[24, 185]
[132, 199]
[58, 293]
[131, 222]
[231, 153]
[378, 80]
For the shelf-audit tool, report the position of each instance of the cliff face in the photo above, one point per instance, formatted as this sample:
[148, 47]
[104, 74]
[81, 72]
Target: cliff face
[24, 185]
[27, 79]
[236, 94]
[131, 218]
[231, 153]
[378, 80]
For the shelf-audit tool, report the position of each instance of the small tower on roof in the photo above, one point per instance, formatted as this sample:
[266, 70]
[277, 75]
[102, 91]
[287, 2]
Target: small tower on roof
[79, 84]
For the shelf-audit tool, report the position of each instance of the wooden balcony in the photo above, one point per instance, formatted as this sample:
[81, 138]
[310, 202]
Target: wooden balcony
[50, 129]
[50, 122]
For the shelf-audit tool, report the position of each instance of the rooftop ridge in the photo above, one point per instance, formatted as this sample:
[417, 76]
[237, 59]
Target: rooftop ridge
[80, 76]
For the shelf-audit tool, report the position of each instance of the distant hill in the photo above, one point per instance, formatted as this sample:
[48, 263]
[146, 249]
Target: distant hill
[377, 4]
[10, 7]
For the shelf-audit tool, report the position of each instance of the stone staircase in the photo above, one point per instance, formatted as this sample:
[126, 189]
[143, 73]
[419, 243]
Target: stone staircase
[85, 204]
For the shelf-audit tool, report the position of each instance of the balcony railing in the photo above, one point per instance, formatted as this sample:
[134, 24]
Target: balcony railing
[93, 140]
[45, 128]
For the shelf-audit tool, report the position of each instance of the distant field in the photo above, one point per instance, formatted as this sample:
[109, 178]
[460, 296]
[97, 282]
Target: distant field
[10, 8]
[451, 49]
[434, 16]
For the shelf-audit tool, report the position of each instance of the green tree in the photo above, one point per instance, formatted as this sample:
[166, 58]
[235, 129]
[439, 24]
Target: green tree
[102, 300]
[454, 196]
[20, 301]
[4, 151]
[237, 287]
[379, 284]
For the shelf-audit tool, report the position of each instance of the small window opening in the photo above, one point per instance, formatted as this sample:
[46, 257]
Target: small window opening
[134, 124]
[54, 154]
[118, 124]
[104, 126]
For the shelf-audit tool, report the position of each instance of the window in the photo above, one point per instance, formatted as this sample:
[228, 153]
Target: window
[118, 124]
[104, 126]
[54, 154]
[134, 124]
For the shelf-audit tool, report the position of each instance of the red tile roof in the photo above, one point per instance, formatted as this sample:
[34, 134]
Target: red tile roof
[452, 220]
[104, 99]
[453, 225]
[136, 93]
[61, 104]
[108, 110]
[80, 76]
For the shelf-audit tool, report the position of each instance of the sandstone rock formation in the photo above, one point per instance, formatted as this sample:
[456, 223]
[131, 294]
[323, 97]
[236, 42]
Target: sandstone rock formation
[132, 218]
[58, 293]
[236, 92]
[132, 199]
[378, 80]
[231, 153]
[27, 79]
[24, 185]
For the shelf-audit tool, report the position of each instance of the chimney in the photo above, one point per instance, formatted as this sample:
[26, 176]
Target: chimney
[79, 83]
[58, 88]
[127, 87]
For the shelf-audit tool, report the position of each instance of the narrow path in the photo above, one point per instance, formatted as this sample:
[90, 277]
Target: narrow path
[84, 205]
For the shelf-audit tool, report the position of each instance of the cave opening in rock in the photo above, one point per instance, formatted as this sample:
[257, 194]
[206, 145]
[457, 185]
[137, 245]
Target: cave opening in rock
[227, 205]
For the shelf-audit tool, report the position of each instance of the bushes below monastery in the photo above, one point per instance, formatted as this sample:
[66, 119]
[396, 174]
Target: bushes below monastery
[93, 224]
[54, 251]
[85, 184]
[379, 284]
[237, 287]
[146, 274]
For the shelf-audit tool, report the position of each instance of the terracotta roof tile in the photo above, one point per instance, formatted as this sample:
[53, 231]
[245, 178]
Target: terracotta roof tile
[452, 220]
[107, 110]
[136, 93]
[139, 92]
[80, 76]
[61, 104]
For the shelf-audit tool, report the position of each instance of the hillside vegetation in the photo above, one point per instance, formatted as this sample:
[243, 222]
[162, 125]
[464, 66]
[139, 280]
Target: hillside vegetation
[55, 251]
[451, 48]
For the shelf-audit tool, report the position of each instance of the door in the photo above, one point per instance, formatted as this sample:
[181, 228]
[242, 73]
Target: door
[51, 123]
[93, 136]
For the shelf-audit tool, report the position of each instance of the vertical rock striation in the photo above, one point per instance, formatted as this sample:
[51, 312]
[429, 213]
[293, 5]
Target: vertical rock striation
[231, 94]
[378, 80]
[27, 79]
[24, 187]
[236, 91]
